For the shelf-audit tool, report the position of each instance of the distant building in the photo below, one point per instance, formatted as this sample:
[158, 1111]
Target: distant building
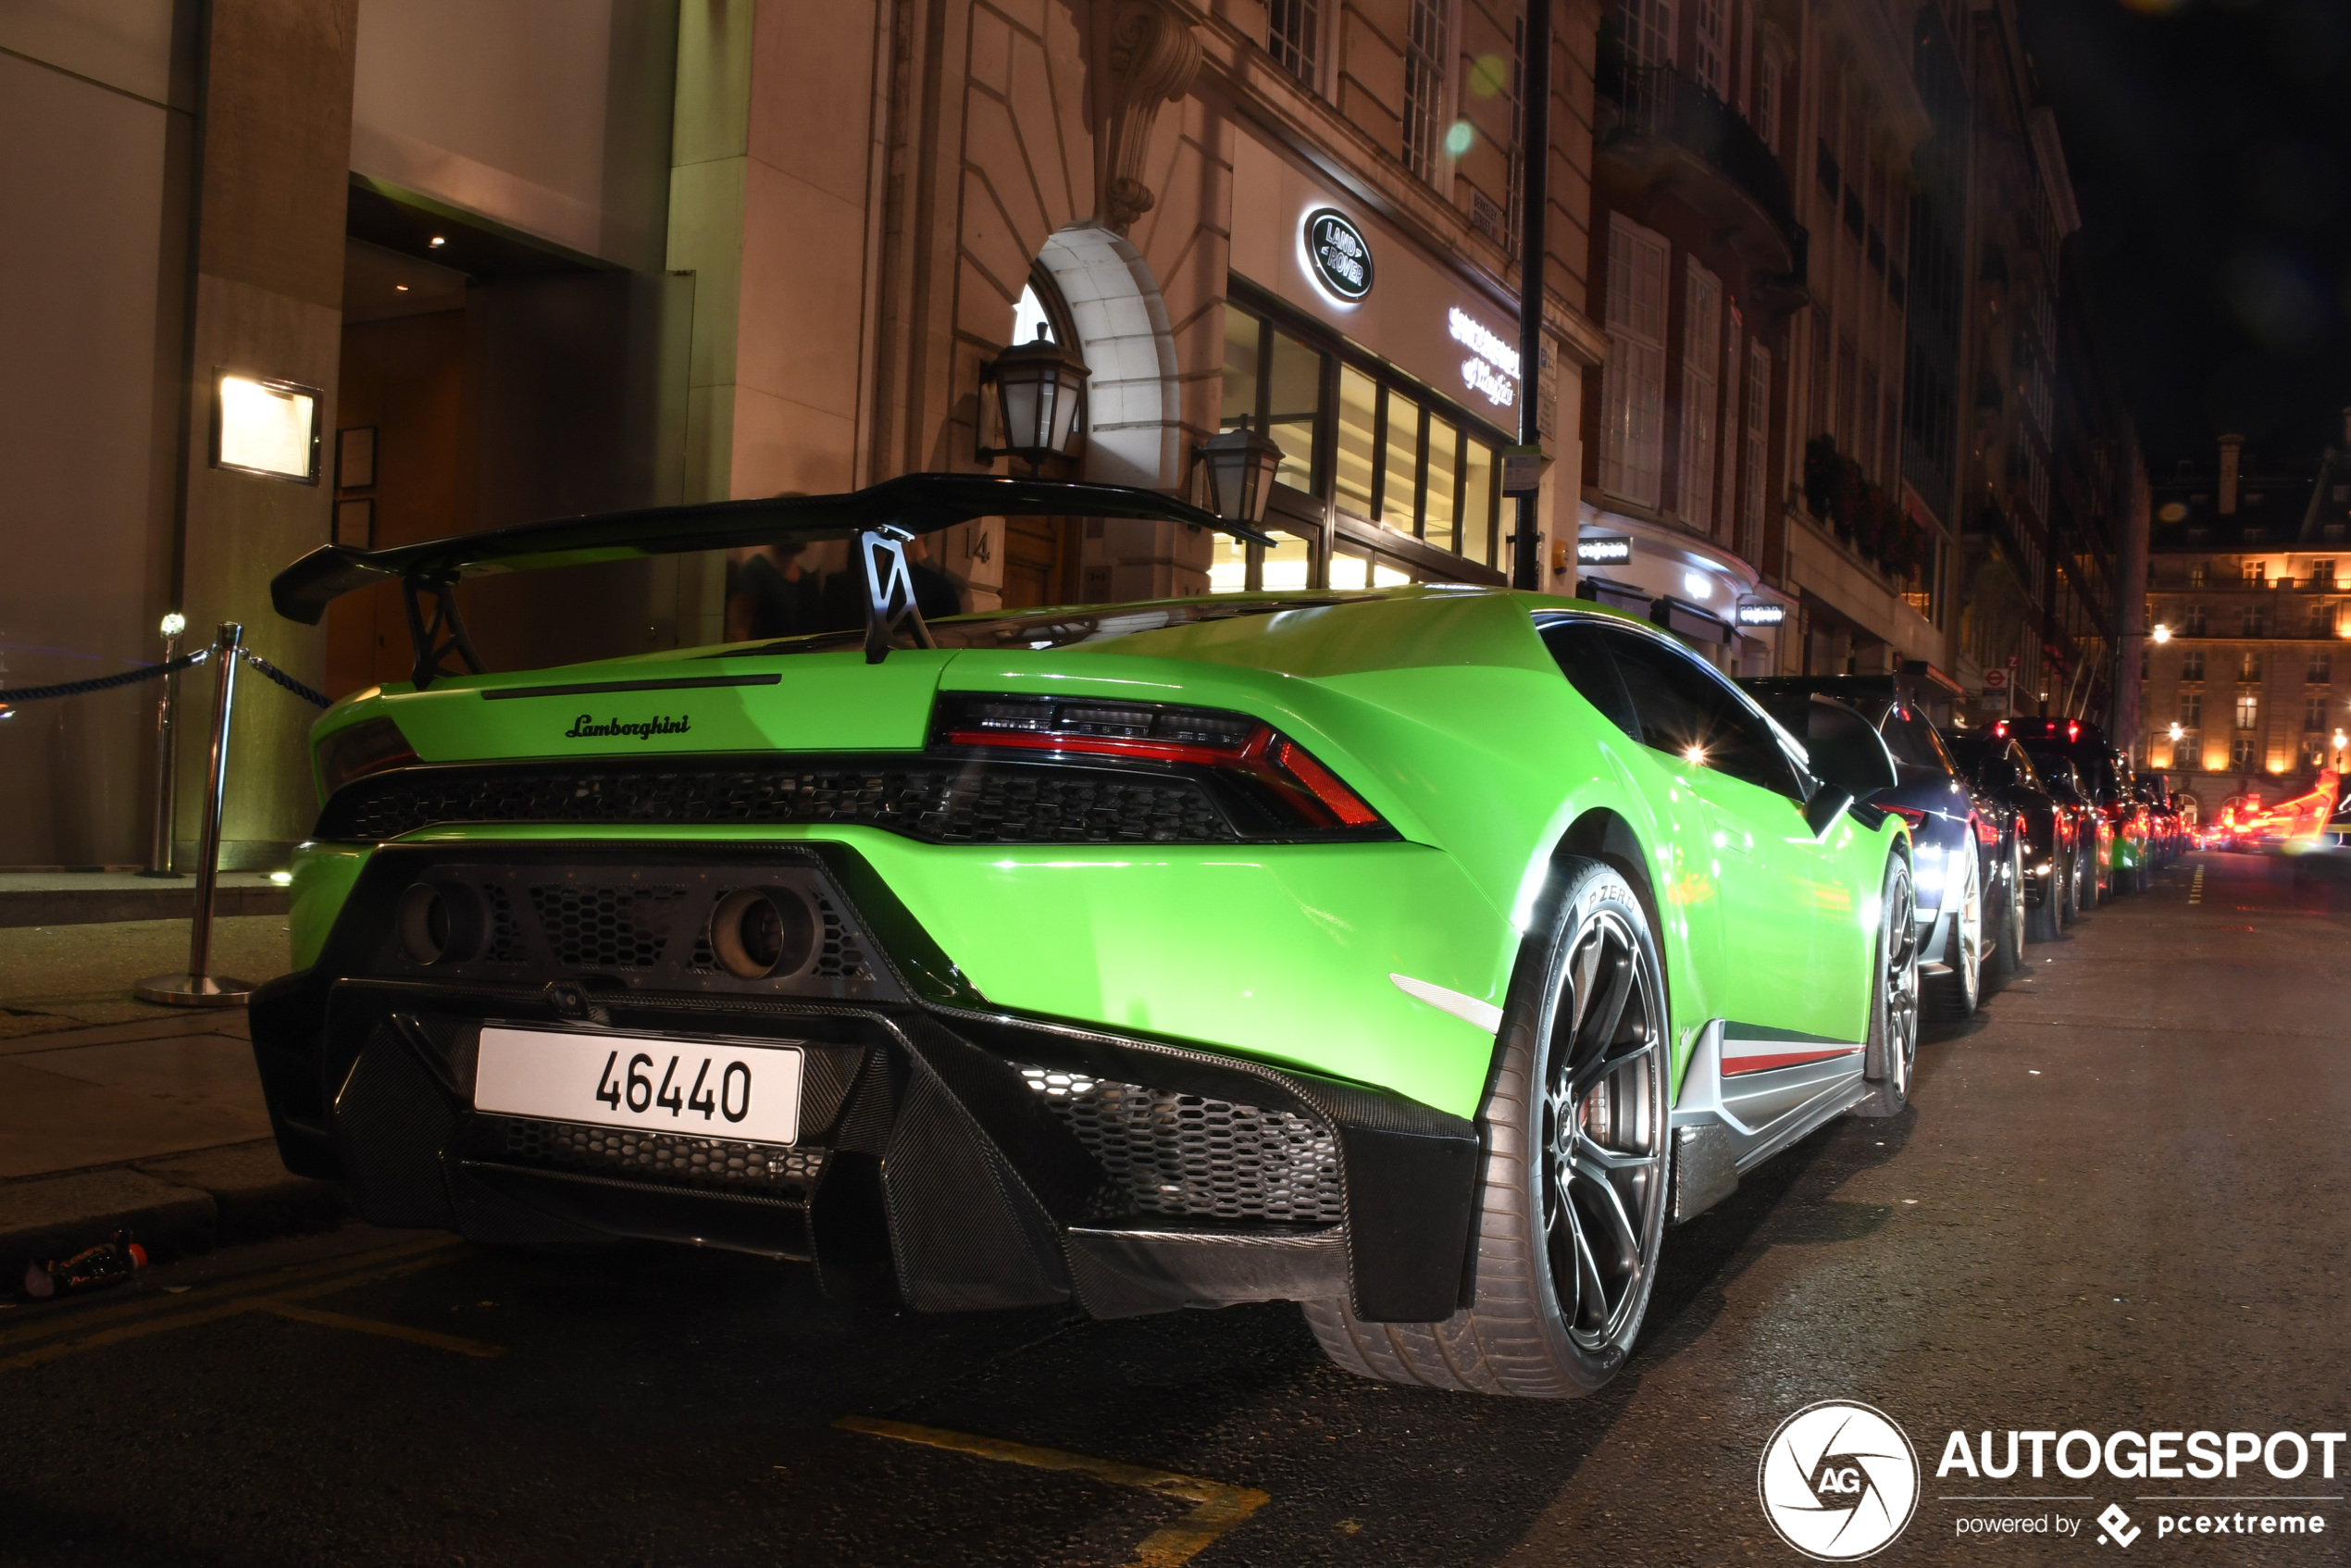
[2249, 603]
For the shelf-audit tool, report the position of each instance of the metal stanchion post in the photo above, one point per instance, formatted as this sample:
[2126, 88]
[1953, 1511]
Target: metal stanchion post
[167, 733]
[197, 988]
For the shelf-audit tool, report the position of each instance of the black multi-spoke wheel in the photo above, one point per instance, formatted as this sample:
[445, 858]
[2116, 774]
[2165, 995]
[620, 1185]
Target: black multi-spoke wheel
[1603, 1133]
[1571, 1203]
[1893, 1050]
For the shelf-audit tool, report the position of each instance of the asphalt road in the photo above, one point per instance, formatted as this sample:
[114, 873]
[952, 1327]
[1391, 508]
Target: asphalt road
[2116, 1204]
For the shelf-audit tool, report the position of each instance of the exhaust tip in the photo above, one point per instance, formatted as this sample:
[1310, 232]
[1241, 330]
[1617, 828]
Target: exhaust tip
[762, 933]
[442, 923]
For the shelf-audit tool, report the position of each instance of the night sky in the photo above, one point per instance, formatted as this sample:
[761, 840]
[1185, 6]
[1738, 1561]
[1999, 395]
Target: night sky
[2210, 142]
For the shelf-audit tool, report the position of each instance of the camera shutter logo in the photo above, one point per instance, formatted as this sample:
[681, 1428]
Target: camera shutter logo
[1838, 1481]
[1341, 257]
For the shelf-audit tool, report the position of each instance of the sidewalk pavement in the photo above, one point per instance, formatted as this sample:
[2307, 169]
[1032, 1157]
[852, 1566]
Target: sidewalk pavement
[116, 1114]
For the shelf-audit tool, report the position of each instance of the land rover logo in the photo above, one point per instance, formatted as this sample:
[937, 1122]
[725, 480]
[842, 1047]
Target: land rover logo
[1838, 1481]
[1339, 255]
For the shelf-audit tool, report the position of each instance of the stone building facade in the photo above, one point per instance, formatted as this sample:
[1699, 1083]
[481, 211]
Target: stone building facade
[570, 255]
[2246, 676]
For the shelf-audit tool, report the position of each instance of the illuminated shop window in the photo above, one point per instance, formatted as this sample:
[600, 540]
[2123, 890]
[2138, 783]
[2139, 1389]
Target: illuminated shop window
[1380, 446]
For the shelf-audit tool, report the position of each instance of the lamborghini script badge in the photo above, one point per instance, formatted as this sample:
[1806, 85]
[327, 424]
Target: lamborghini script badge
[586, 727]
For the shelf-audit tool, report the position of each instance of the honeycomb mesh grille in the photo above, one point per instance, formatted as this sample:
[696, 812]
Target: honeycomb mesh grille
[695, 1162]
[960, 804]
[606, 928]
[506, 933]
[1191, 1156]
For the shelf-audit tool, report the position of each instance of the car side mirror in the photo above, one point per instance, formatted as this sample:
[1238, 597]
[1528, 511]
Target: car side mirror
[1849, 758]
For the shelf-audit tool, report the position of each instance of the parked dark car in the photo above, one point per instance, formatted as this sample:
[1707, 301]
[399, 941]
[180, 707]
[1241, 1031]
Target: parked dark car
[1969, 865]
[2106, 777]
[2049, 837]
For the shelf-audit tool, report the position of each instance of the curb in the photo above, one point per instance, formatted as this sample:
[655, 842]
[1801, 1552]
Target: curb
[88, 906]
[174, 1206]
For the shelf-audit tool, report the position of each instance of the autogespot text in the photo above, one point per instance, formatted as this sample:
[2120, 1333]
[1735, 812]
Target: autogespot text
[2155, 1456]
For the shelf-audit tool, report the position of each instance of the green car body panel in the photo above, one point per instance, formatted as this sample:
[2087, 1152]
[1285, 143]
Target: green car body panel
[1443, 709]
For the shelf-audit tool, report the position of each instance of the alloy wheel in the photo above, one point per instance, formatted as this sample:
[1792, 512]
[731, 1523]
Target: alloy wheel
[1902, 988]
[1603, 1133]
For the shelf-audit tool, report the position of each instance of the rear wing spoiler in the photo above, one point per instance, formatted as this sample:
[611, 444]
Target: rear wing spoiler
[880, 520]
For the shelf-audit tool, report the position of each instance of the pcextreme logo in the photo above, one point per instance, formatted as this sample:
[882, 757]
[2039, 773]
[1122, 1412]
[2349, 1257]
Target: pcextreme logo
[1838, 1481]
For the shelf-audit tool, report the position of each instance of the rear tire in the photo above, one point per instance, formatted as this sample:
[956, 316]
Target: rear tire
[1571, 1201]
[1893, 1051]
[2007, 943]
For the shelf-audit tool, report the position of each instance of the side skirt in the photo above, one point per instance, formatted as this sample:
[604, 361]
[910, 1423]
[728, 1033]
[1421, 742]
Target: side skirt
[1749, 1092]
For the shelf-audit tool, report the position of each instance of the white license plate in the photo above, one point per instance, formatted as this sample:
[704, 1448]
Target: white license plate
[743, 1093]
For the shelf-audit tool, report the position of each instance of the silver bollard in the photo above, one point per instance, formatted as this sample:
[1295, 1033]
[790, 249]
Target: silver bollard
[166, 731]
[196, 988]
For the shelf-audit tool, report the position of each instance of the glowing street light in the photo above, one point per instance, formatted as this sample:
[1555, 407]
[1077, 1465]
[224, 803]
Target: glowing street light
[2177, 734]
[2160, 633]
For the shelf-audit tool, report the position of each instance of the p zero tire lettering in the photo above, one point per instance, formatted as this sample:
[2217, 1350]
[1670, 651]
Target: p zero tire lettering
[727, 1092]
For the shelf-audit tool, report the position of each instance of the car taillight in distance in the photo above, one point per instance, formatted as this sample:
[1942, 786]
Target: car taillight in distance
[371, 746]
[1246, 751]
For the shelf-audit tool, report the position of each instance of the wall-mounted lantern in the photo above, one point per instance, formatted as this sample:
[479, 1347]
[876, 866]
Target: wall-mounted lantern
[1032, 400]
[1233, 474]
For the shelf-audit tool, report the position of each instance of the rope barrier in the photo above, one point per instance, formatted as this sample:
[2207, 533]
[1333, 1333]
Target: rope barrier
[107, 682]
[315, 698]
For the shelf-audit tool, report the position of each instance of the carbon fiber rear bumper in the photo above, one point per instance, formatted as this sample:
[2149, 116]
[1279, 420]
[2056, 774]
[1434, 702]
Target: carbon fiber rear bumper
[950, 1157]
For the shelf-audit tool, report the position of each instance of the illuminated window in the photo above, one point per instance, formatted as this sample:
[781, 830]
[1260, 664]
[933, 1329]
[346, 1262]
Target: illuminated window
[2248, 667]
[265, 427]
[2195, 575]
[1348, 431]
[2248, 711]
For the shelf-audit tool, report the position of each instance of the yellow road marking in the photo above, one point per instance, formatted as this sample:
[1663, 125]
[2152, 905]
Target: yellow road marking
[383, 1264]
[51, 1324]
[2196, 887]
[388, 1330]
[1218, 1507]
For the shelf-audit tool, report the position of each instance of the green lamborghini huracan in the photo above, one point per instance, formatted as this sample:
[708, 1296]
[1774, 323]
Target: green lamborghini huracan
[1416, 956]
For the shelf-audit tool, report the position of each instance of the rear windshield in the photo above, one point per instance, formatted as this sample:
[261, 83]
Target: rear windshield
[1060, 628]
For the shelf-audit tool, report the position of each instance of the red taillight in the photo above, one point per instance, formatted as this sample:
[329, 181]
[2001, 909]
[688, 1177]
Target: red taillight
[1243, 748]
[2001, 729]
[1343, 802]
[1985, 833]
[1912, 814]
[2073, 732]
